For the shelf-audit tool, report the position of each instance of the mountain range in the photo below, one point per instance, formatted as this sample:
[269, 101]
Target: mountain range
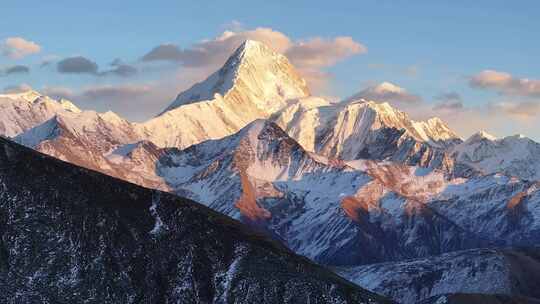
[346, 184]
[71, 234]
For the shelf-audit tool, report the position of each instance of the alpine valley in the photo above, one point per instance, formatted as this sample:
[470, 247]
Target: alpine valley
[404, 208]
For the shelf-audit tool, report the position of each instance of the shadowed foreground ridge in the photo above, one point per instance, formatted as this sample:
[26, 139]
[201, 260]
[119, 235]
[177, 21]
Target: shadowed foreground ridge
[68, 234]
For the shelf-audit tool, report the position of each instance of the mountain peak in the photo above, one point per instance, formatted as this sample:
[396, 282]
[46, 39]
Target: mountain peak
[481, 135]
[256, 127]
[381, 92]
[29, 95]
[253, 45]
[256, 74]
[381, 107]
[387, 87]
[435, 120]
[251, 49]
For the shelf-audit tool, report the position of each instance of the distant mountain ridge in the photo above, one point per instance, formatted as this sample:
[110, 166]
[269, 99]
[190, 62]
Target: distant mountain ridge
[365, 129]
[512, 155]
[22, 111]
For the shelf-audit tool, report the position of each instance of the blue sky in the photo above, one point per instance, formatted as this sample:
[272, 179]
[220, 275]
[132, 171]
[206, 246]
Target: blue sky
[430, 48]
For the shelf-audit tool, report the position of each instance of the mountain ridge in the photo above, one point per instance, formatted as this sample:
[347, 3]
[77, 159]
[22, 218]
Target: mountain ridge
[78, 236]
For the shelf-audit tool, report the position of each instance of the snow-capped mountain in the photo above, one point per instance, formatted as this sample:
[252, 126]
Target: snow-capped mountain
[99, 141]
[104, 131]
[513, 155]
[254, 83]
[255, 157]
[254, 72]
[22, 111]
[384, 91]
[355, 129]
[76, 235]
[512, 273]
[350, 213]
[324, 208]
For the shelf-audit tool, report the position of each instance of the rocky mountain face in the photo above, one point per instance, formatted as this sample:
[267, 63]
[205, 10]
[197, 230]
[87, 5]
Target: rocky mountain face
[254, 83]
[510, 273]
[350, 213]
[99, 141]
[22, 111]
[322, 207]
[70, 234]
[362, 129]
[513, 155]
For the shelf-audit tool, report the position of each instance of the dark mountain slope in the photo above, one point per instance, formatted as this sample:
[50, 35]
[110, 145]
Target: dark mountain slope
[509, 272]
[467, 298]
[71, 235]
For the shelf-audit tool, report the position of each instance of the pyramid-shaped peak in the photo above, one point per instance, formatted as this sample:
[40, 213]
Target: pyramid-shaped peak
[254, 51]
[254, 74]
[254, 48]
[250, 44]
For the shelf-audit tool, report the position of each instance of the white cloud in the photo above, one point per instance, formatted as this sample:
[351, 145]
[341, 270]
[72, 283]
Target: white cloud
[523, 110]
[58, 92]
[318, 52]
[389, 92]
[310, 56]
[23, 87]
[17, 47]
[505, 83]
[110, 92]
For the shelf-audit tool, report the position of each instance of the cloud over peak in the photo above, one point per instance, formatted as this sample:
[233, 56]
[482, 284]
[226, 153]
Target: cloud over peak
[17, 47]
[13, 89]
[388, 92]
[309, 55]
